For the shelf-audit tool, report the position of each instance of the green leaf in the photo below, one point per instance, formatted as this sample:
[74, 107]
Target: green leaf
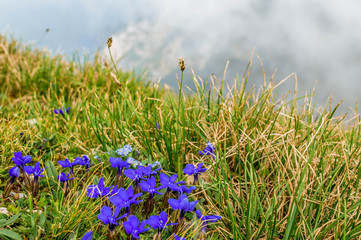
[10, 221]
[96, 180]
[10, 234]
[51, 170]
[48, 170]
[111, 152]
[42, 219]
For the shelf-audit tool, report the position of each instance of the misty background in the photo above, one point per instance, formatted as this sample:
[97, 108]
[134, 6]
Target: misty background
[315, 39]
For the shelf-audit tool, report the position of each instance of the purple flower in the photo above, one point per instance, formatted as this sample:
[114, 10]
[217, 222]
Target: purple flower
[14, 172]
[169, 182]
[125, 198]
[159, 222]
[190, 169]
[209, 150]
[84, 161]
[119, 164]
[64, 178]
[36, 170]
[178, 238]
[88, 236]
[62, 111]
[206, 219]
[148, 171]
[67, 164]
[94, 191]
[210, 218]
[21, 160]
[182, 204]
[183, 189]
[157, 126]
[149, 186]
[135, 175]
[132, 226]
[108, 217]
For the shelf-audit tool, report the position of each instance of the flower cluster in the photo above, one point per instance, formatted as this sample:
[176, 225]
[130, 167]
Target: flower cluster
[134, 162]
[21, 166]
[21, 160]
[84, 161]
[147, 182]
[138, 193]
[66, 177]
[124, 151]
[62, 111]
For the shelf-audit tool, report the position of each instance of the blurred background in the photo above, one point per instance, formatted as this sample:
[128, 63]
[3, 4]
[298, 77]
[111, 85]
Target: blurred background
[317, 40]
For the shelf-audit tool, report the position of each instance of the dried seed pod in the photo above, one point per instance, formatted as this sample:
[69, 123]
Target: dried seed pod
[109, 42]
[181, 64]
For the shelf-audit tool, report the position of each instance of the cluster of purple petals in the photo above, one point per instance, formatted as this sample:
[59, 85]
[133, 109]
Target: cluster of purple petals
[143, 176]
[140, 173]
[64, 177]
[149, 186]
[14, 171]
[124, 198]
[62, 110]
[107, 216]
[20, 162]
[159, 222]
[84, 161]
[100, 190]
[88, 236]
[209, 150]
[176, 237]
[195, 171]
[192, 170]
[207, 219]
[36, 171]
[169, 182]
[119, 164]
[183, 204]
[134, 227]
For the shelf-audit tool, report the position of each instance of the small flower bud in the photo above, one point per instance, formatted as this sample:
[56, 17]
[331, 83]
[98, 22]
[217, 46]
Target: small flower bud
[109, 42]
[181, 64]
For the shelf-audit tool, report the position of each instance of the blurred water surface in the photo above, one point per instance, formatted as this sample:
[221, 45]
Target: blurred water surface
[317, 40]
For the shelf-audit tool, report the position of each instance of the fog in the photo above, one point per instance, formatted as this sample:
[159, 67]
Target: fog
[317, 40]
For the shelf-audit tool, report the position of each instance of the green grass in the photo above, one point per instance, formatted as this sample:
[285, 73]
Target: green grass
[283, 170]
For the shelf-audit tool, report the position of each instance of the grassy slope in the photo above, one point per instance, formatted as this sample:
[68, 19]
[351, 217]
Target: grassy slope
[282, 171]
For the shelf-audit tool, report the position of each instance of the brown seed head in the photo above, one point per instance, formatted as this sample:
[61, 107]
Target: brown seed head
[109, 42]
[181, 64]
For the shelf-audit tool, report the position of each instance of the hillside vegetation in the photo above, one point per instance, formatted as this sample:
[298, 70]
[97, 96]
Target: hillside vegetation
[281, 170]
